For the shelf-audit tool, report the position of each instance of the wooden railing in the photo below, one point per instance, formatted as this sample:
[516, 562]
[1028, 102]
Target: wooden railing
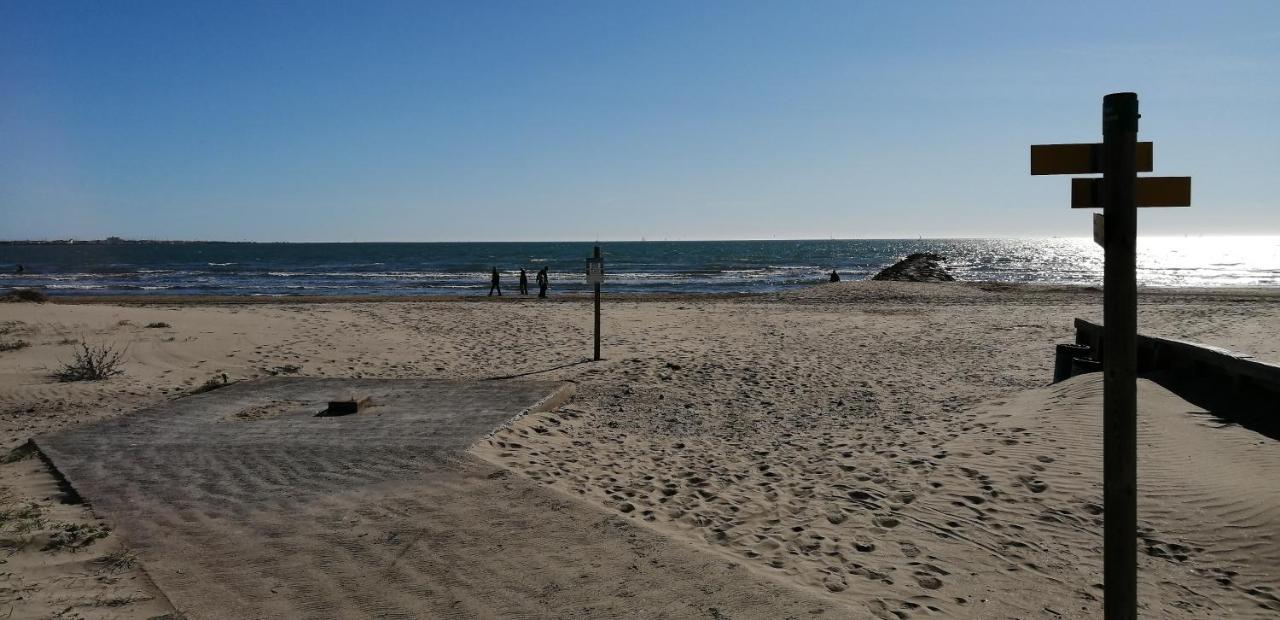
[1230, 384]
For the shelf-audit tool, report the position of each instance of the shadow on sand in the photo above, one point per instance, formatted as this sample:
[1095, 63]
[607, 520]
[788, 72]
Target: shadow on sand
[585, 360]
[1257, 410]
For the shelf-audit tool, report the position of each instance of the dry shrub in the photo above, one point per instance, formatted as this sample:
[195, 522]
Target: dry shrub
[212, 384]
[75, 536]
[287, 369]
[13, 345]
[92, 363]
[118, 560]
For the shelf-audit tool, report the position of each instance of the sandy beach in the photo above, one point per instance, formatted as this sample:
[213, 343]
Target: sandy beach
[860, 449]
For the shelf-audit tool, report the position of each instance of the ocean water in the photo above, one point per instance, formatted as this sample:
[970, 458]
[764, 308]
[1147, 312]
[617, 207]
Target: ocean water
[631, 267]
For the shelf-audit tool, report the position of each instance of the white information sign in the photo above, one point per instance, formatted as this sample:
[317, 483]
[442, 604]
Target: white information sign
[595, 271]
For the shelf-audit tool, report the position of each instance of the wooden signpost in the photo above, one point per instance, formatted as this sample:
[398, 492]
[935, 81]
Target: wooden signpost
[1079, 158]
[595, 276]
[1119, 192]
[1148, 191]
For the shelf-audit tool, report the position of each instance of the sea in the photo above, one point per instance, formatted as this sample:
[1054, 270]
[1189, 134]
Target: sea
[724, 267]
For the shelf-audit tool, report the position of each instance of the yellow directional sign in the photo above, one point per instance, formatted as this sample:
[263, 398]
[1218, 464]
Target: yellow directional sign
[1148, 192]
[1079, 158]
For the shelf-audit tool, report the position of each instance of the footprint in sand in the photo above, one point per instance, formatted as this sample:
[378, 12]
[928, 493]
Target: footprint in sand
[886, 522]
[1033, 484]
[835, 583]
[929, 582]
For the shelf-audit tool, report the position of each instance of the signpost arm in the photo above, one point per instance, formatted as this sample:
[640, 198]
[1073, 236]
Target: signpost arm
[1119, 354]
[596, 255]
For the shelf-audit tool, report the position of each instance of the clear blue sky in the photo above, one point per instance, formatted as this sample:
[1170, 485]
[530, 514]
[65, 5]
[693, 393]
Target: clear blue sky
[563, 120]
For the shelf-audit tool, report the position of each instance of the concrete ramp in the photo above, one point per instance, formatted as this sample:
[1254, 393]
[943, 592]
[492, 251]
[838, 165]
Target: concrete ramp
[264, 443]
[221, 492]
[244, 503]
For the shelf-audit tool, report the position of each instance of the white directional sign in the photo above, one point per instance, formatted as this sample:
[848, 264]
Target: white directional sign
[595, 271]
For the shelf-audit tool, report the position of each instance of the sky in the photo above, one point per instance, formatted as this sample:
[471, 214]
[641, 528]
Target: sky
[554, 120]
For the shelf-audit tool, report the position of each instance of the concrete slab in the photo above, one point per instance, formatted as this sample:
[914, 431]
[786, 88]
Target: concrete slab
[243, 504]
[230, 461]
[432, 415]
[255, 443]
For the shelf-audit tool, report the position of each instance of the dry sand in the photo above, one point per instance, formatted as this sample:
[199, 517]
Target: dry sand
[860, 449]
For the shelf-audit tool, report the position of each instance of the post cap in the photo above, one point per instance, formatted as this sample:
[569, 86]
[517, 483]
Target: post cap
[1120, 113]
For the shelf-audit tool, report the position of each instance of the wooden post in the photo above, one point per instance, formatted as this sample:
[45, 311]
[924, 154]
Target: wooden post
[596, 255]
[1063, 356]
[1119, 360]
[1119, 193]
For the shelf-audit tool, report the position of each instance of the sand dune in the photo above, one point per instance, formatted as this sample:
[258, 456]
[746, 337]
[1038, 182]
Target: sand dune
[1004, 519]
[1207, 496]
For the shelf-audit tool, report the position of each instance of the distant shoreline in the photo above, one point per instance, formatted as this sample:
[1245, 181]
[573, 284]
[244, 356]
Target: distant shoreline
[848, 291]
[117, 267]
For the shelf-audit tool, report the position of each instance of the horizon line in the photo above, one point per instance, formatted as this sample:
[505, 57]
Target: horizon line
[124, 241]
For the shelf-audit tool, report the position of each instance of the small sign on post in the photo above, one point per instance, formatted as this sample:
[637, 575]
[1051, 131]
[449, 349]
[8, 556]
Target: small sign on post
[1118, 193]
[595, 276]
[595, 271]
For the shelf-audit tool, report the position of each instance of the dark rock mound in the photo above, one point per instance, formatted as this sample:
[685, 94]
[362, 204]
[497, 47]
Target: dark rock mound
[24, 294]
[918, 267]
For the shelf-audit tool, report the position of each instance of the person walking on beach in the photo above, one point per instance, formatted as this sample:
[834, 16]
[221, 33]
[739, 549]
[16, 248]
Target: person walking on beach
[524, 282]
[494, 285]
[542, 282]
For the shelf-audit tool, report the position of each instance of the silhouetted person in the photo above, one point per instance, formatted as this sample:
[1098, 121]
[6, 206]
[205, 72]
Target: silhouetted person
[19, 269]
[835, 277]
[543, 282]
[494, 285]
[524, 282]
